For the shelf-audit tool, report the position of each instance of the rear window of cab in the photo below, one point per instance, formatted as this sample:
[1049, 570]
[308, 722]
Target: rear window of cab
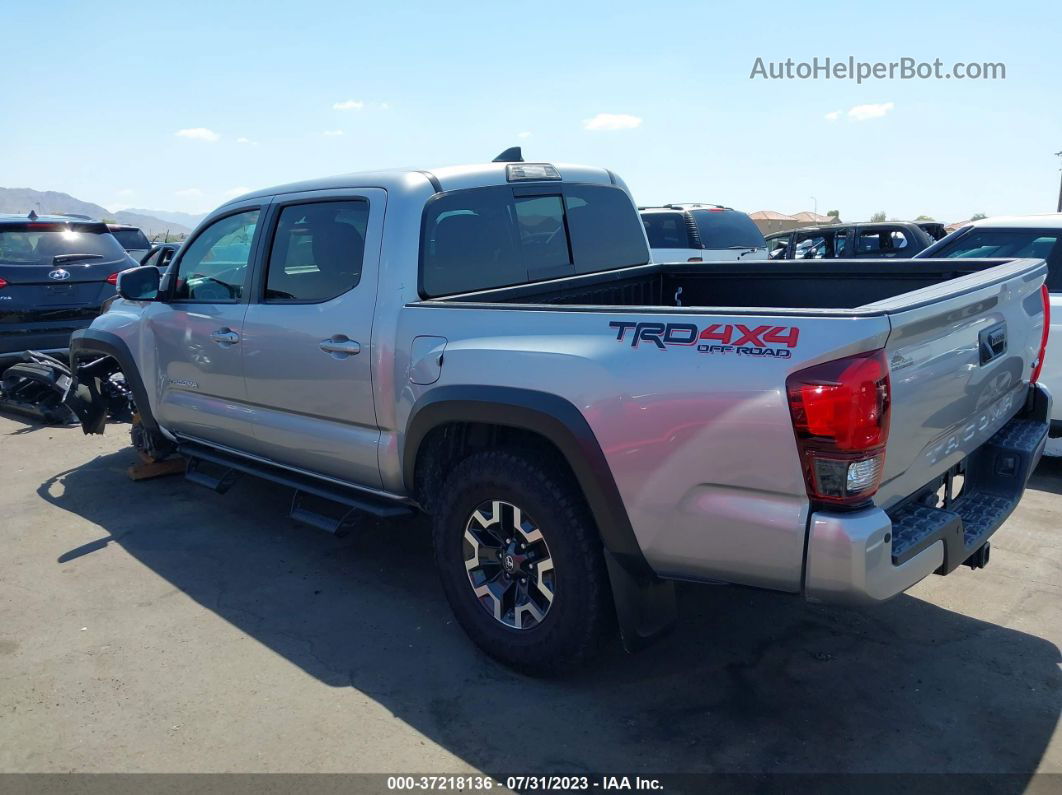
[505, 235]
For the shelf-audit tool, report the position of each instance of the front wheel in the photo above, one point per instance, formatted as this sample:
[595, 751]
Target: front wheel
[521, 562]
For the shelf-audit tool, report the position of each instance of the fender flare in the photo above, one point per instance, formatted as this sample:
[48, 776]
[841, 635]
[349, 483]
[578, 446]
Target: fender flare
[645, 604]
[91, 343]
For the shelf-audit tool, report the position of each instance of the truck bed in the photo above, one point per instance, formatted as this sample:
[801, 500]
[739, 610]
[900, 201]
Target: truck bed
[817, 287]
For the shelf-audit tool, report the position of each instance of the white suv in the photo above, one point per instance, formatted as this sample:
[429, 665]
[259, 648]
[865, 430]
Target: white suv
[701, 233]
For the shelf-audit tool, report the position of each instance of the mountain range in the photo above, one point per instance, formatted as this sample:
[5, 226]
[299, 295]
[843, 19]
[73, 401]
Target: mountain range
[154, 222]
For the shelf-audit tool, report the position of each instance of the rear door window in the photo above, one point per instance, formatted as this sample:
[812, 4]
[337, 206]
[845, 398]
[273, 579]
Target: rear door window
[317, 251]
[873, 242]
[667, 230]
[810, 245]
[481, 238]
[776, 247]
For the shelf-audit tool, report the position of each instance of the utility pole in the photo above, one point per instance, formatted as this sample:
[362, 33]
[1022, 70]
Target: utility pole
[1059, 210]
[817, 201]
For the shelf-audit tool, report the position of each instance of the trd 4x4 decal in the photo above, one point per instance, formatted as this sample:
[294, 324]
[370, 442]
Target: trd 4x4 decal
[737, 338]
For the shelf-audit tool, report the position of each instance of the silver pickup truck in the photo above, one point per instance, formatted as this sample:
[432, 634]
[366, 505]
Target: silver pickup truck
[491, 344]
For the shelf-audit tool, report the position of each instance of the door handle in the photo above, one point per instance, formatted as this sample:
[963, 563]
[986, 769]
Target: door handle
[225, 336]
[340, 346]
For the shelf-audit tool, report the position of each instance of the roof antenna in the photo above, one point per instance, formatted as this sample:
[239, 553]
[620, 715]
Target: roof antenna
[510, 155]
[32, 215]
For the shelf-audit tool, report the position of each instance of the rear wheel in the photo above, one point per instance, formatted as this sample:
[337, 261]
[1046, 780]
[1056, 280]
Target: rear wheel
[521, 563]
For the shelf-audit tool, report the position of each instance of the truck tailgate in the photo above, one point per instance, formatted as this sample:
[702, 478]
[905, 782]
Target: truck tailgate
[960, 358]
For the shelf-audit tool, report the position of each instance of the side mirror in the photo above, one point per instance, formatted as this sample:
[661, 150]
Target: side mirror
[139, 284]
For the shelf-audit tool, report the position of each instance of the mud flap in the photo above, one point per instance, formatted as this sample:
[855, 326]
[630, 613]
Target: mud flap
[85, 400]
[645, 606]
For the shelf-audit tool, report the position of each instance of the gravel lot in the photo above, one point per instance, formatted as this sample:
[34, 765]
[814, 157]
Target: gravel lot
[157, 626]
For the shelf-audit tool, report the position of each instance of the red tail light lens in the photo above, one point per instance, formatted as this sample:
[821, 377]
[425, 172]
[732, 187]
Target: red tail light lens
[840, 412]
[113, 279]
[3, 283]
[1046, 297]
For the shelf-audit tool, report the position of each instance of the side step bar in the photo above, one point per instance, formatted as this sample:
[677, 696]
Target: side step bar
[220, 483]
[312, 496]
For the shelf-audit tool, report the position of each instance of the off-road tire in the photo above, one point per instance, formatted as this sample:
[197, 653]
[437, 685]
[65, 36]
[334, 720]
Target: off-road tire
[581, 615]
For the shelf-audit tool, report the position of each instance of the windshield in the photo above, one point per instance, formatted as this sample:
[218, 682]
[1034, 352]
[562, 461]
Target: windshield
[39, 244]
[1037, 243]
[1002, 243]
[722, 229]
[131, 239]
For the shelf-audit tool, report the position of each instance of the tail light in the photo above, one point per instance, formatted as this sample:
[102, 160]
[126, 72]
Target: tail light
[1046, 298]
[840, 413]
[3, 283]
[113, 280]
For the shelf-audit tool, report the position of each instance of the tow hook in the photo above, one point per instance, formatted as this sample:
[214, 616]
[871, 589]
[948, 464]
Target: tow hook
[979, 559]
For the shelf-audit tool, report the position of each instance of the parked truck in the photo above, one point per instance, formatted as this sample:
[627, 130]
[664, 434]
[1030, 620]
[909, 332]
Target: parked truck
[491, 344]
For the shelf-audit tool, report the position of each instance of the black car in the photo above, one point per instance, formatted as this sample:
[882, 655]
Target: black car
[160, 255]
[55, 274]
[132, 239]
[935, 229]
[849, 241]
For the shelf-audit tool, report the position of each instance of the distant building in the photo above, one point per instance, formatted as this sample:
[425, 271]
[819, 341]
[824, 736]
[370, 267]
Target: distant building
[770, 221]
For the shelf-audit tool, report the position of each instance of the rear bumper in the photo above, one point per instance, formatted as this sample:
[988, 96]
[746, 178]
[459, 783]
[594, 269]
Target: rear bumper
[872, 554]
[48, 337]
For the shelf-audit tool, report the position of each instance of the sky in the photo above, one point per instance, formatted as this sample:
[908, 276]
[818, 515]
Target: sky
[179, 106]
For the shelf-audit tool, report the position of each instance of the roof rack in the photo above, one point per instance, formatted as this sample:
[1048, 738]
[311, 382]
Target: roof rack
[695, 205]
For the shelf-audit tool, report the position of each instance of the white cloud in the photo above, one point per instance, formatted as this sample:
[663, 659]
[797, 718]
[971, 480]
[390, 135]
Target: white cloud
[232, 193]
[612, 121]
[350, 104]
[126, 192]
[245, 140]
[523, 135]
[198, 134]
[833, 115]
[385, 106]
[864, 112]
[188, 193]
[332, 133]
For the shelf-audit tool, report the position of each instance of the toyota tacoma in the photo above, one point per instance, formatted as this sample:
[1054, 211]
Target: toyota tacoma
[492, 345]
